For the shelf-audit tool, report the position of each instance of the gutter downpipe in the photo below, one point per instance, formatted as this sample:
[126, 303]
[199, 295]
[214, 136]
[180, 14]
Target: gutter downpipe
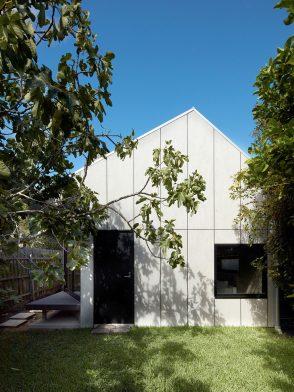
[277, 311]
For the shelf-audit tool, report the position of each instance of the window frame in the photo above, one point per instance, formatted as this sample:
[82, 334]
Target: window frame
[239, 295]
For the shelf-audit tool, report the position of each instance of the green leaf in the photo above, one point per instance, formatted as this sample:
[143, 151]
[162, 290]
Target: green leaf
[42, 17]
[17, 30]
[291, 60]
[30, 29]
[3, 44]
[4, 170]
[35, 109]
[32, 47]
[10, 247]
[16, 59]
[4, 20]
[141, 200]
[27, 97]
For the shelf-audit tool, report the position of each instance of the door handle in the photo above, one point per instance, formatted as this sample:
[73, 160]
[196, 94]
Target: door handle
[128, 276]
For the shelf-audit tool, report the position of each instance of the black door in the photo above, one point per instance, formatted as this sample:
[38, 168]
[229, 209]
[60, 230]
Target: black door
[114, 277]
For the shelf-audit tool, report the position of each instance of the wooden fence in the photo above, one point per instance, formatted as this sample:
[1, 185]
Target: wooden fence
[16, 283]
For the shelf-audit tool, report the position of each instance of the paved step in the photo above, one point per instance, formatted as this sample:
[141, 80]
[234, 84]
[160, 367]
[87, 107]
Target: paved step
[22, 316]
[12, 323]
[107, 329]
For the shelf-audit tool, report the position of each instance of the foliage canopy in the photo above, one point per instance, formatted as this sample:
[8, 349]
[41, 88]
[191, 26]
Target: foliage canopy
[46, 120]
[270, 171]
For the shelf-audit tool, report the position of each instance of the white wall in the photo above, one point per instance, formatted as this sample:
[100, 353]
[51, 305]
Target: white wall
[87, 293]
[120, 182]
[142, 160]
[201, 277]
[173, 288]
[147, 284]
[177, 132]
[166, 296]
[200, 148]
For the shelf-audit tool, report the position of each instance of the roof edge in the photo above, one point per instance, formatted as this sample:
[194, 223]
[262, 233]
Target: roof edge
[144, 134]
[193, 109]
[220, 132]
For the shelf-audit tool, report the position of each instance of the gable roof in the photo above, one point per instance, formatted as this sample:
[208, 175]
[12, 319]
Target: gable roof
[169, 122]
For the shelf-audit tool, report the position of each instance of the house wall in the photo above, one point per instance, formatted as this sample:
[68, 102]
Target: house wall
[181, 296]
[87, 292]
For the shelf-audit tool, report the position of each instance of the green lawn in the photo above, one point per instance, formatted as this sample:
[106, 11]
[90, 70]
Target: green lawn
[148, 359]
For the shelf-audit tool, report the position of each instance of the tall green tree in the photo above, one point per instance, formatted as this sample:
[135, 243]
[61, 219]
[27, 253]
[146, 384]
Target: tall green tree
[268, 181]
[46, 120]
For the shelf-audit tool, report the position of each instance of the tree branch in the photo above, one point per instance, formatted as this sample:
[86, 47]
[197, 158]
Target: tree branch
[49, 28]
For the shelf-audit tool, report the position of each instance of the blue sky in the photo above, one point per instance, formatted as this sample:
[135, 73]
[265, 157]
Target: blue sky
[172, 55]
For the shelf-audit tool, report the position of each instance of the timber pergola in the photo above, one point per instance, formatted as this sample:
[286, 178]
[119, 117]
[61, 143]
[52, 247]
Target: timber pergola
[58, 301]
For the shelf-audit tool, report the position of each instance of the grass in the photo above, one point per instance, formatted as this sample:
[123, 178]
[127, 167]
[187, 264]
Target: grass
[148, 360]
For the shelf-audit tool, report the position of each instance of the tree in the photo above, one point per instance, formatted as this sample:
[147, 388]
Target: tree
[268, 181]
[47, 120]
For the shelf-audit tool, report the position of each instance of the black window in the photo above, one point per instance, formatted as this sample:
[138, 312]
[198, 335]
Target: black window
[235, 276]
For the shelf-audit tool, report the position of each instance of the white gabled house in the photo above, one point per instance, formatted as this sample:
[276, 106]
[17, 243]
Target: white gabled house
[125, 283]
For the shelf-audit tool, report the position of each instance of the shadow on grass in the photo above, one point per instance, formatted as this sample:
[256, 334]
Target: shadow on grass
[277, 353]
[142, 360]
[181, 385]
[147, 360]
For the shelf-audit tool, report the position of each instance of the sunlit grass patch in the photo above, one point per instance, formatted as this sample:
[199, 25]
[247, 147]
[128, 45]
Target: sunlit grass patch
[148, 360]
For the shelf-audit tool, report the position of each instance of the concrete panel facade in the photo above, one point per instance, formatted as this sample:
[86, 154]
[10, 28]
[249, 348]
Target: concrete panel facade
[143, 159]
[228, 312]
[147, 284]
[173, 287]
[226, 164]
[254, 312]
[87, 294]
[177, 132]
[120, 183]
[96, 179]
[200, 152]
[181, 296]
[201, 277]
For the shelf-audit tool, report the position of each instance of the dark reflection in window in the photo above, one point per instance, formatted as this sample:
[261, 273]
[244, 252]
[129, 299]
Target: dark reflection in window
[235, 274]
[73, 281]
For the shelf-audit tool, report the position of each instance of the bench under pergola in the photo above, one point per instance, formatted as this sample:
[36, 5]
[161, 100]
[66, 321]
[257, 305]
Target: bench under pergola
[58, 301]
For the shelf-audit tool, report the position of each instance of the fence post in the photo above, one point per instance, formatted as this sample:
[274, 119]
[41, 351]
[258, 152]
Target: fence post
[19, 277]
[32, 287]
